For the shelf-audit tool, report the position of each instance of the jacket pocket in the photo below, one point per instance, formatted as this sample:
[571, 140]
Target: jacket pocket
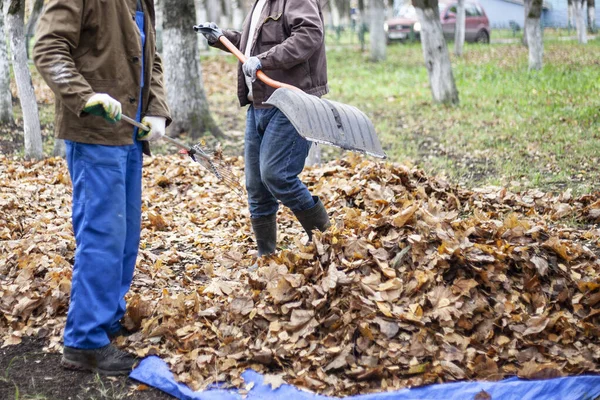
[271, 32]
[92, 122]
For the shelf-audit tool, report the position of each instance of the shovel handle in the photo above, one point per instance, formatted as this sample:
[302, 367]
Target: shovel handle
[259, 74]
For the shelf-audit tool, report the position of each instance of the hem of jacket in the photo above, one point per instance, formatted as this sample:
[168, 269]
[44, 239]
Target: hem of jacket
[79, 139]
[317, 91]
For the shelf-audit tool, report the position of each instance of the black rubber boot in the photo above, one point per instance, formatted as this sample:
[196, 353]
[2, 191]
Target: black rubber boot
[265, 232]
[314, 218]
[107, 360]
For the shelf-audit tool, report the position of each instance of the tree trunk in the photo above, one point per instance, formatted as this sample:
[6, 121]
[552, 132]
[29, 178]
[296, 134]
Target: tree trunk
[36, 12]
[592, 16]
[377, 30]
[459, 38]
[580, 20]
[314, 155]
[15, 12]
[534, 35]
[183, 73]
[526, 7]
[213, 10]
[6, 111]
[60, 149]
[570, 15]
[435, 52]
[239, 14]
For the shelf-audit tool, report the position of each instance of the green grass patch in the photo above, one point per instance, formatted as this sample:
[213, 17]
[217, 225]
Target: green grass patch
[513, 127]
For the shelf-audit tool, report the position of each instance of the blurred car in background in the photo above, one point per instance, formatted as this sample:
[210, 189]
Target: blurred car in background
[405, 25]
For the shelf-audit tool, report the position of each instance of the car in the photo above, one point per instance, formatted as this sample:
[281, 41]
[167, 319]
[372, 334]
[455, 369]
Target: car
[405, 24]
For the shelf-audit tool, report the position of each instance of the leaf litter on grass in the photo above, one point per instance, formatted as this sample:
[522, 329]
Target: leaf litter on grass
[417, 281]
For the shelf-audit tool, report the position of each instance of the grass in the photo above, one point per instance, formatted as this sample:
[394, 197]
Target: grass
[513, 127]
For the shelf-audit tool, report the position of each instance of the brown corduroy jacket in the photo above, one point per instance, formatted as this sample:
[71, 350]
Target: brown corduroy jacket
[93, 46]
[290, 44]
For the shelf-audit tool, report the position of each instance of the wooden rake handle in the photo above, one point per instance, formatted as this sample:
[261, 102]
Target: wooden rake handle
[259, 74]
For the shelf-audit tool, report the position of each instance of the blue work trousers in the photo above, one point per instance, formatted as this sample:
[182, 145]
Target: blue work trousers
[107, 197]
[275, 155]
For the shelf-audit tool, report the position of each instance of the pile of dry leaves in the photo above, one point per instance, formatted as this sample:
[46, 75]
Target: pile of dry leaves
[416, 282]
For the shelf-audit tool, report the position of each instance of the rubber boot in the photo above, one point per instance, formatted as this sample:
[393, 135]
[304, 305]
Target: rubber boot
[314, 218]
[265, 232]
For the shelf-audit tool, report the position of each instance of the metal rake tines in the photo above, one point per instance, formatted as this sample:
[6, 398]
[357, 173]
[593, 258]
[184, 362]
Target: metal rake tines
[212, 160]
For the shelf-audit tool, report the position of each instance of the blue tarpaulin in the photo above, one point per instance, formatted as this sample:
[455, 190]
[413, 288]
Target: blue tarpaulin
[155, 372]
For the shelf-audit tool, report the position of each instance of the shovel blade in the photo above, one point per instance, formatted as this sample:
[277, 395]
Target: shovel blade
[328, 122]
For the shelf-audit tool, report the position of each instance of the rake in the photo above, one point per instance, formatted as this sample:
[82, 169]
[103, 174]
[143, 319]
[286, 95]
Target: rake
[212, 160]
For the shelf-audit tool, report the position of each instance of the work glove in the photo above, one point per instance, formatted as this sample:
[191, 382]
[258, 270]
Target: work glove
[103, 105]
[251, 67]
[157, 130]
[215, 32]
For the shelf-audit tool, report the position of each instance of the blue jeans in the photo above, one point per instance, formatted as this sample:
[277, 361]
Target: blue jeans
[274, 154]
[107, 197]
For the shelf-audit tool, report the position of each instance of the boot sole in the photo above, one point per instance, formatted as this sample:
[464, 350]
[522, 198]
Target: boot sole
[76, 366]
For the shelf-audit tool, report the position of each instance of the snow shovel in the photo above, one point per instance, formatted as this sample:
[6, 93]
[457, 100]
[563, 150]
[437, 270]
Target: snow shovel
[315, 119]
[209, 159]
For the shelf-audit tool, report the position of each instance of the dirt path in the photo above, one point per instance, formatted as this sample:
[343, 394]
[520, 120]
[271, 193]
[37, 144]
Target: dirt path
[26, 372]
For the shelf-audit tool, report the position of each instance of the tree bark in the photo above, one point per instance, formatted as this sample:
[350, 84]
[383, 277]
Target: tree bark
[183, 72]
[377, 31]
[526, 7]
[459, 39]
[534, 35]
[60, 149]
[579, 7]
[570, 15]
[36, 12]
[314, 155]
[15, 12]
[592, 16]
[6, 110]
[435, 52]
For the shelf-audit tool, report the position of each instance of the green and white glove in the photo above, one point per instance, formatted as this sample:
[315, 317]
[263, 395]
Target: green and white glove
[157, 127]
[104, 106]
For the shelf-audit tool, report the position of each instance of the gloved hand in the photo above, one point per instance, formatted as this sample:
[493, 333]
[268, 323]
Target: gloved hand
[215, 32]
[157, 127]
[251, 67]
[103, 105]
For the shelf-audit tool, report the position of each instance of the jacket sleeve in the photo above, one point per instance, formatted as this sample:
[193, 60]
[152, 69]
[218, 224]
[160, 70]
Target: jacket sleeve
[157, 102]
[234, 37]
[58, 35]
[307, 34]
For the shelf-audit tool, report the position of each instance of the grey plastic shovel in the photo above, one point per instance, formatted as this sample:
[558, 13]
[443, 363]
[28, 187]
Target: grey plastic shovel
[316, 119]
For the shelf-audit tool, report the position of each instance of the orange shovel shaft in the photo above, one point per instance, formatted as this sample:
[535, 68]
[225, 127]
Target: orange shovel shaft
[259, 74]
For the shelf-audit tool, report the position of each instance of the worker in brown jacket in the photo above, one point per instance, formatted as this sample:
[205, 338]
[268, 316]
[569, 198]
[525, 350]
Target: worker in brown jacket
[99, 58]
[286, 40]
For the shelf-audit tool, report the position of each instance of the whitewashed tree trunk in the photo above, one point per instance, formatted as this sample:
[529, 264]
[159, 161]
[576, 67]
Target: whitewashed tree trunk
[36, 12]
[201, 17]
[579, 7]
[534, 35]
[435, 52]
[377, 30]
[238, 14]
[14, 14]
[183, 73]
[526, 7]
[213, 10]
[570, 14]
[314, 156]
[592, 15]
[335, 14]
[6, 111]
[60, 149]
[459, 38]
